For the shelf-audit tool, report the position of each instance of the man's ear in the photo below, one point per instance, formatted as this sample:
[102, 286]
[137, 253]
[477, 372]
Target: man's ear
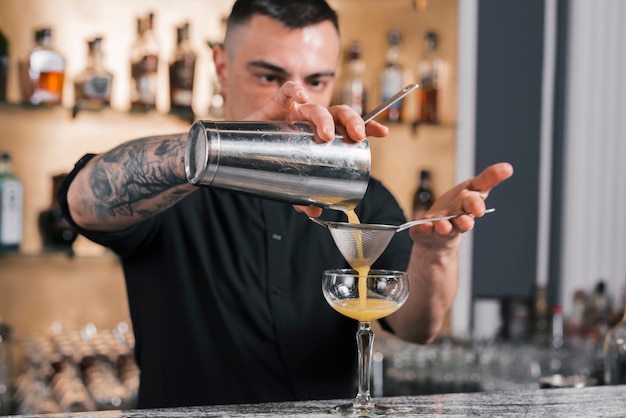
[220, 59]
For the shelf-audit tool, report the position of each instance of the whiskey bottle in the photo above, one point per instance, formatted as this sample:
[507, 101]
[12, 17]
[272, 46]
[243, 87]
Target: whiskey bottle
[43, 72]
[430, 70]
[392, 79]
[11, 204]
[144, 66]
[354, 92]
[182, 70]
[4, 66]
[424, 197]
[93, 86]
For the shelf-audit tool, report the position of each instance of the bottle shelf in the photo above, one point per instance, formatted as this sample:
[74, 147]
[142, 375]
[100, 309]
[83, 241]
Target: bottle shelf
[47, 141]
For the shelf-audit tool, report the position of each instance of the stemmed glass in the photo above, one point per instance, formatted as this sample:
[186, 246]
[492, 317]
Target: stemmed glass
[365, 297]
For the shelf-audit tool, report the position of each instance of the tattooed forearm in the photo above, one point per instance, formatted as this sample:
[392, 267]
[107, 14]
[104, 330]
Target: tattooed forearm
[139, 178]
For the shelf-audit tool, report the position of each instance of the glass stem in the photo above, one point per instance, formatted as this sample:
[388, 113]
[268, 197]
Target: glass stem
[364, 341]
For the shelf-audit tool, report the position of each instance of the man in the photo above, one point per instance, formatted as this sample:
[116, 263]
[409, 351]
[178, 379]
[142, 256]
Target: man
[224, 289]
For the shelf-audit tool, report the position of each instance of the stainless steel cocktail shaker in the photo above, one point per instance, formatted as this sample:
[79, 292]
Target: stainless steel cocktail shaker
[278, 161]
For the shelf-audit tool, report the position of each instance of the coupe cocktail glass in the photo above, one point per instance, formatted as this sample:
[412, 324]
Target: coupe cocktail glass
[365, 298]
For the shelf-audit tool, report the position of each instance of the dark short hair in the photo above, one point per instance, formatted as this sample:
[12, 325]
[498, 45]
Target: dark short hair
[293, 14]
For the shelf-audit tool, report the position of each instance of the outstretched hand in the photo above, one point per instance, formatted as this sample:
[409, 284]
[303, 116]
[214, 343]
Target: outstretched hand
[466, 197]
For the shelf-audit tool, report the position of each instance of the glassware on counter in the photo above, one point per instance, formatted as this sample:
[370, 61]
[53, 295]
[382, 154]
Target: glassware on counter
[451, 365]
[70, 370]
[365, 297]
[615, 354]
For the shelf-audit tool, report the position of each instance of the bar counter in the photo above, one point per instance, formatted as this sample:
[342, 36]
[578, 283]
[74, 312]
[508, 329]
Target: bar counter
[598, 401]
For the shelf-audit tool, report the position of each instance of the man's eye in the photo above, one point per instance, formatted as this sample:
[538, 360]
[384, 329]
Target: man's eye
[269, 78]
[317, 85]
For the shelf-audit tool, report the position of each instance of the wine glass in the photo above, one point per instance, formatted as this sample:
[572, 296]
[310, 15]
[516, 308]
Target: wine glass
[365, 297]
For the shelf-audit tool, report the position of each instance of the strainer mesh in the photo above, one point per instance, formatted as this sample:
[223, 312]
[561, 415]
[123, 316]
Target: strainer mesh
[361, 247]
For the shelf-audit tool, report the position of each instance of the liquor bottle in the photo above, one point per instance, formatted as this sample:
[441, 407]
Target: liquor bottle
[144, 66]
[575, 326]
[430, 70]
[182, 70]
[540, 316]
[43, 72]
[56, 231]
[597, 312]
[11, 204]
[5, 368]
[354, 92]
[614, 351]
[392, 79]
[424, 197]
[4, 66]
[93, 86]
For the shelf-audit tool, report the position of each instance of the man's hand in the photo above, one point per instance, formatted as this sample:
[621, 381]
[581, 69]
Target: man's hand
[310, 211]
[292, 103]
[467, 197]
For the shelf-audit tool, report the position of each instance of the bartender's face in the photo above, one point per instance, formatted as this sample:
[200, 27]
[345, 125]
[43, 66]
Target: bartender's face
[262, 54]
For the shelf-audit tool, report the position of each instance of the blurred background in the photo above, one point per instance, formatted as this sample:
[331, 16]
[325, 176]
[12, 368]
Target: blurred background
[533, 82]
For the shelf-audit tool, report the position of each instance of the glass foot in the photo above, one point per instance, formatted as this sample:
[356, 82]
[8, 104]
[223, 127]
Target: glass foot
[364, 410]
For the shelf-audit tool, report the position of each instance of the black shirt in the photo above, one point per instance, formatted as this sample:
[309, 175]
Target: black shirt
[225, 299]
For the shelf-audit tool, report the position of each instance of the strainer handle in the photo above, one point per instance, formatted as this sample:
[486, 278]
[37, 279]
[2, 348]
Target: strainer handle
[440, 218]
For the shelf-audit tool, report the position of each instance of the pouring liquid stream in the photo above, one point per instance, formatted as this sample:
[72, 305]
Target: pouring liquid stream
[361, 265]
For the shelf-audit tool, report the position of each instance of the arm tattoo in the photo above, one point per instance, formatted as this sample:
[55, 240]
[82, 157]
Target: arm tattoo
[137, 178]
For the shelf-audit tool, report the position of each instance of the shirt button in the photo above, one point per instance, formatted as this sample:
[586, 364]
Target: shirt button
[276, 236]
[276, 291]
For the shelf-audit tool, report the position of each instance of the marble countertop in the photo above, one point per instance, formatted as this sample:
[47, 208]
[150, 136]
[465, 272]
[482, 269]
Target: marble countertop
[599, 401]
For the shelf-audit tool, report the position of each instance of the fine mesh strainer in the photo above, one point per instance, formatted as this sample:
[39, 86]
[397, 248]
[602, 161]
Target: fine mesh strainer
[362, 244]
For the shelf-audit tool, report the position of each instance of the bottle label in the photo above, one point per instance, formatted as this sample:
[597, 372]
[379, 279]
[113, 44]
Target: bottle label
[47, 88]
[181, 97]
[149, 64]
[98, 88]
[355, 96]
[181, 81]
[392, 83]
[11, 197]
[145, 76]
